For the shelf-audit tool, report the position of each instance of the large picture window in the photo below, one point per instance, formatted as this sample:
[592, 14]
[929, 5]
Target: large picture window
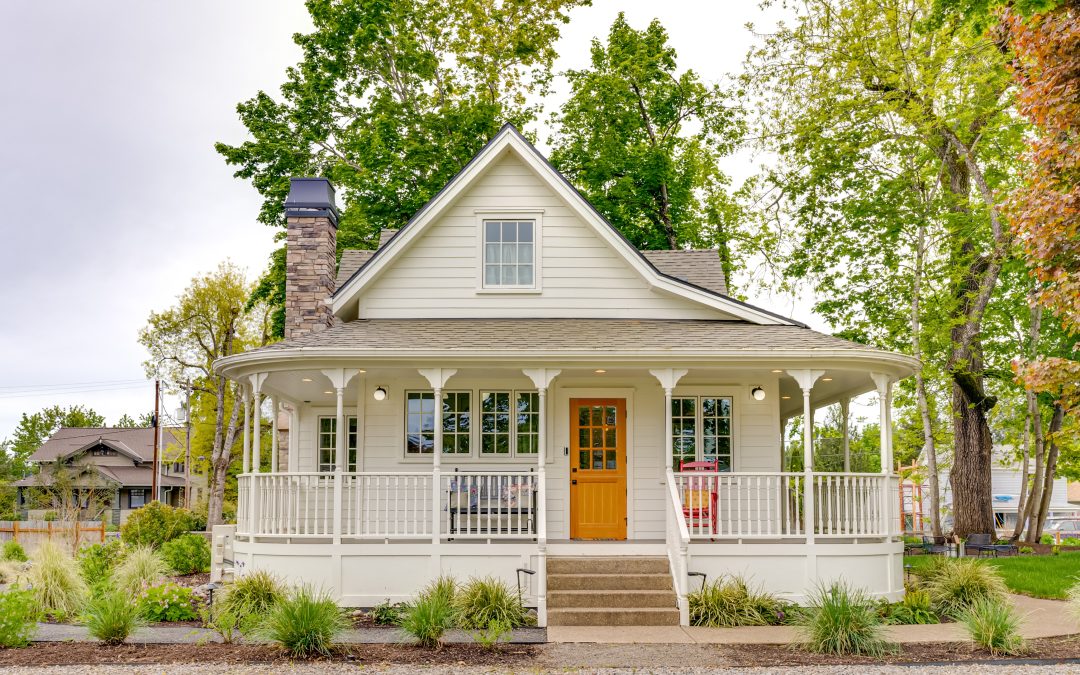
[509, 253]
[701, 429]
[328, 444]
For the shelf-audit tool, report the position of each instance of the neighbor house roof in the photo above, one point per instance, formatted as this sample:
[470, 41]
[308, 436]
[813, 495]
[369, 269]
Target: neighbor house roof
[554, 335]
[136, 443]
[126, 476]
[700, 267]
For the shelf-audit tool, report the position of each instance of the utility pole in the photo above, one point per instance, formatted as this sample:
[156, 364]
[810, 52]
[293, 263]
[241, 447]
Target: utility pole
[187, 448]
[157, 426]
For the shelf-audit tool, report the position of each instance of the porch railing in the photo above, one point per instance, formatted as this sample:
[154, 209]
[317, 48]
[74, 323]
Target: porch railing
[772, 505]
[388, 505]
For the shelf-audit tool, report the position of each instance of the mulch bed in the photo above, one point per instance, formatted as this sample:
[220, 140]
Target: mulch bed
[89, 653]
[191, 580]
[92, 653]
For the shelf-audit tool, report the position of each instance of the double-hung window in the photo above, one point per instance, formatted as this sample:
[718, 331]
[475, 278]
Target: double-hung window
[420, 422]
[328, 444]
[509, 253]
[136, 498]
[509, 423]
[701, 428]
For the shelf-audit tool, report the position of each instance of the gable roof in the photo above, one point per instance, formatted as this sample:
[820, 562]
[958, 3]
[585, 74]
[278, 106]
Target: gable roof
[509, 139]
[137, 443]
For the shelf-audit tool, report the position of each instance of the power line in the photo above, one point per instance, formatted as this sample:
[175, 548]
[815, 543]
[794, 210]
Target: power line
[68, 384]
[65, 392]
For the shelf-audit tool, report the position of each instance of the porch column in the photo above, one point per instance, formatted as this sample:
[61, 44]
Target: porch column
[294, 436]
[253, 484]
[339, 379]
[437, 377]
[806, 380]
[361, 419]
[884, 388]
[845, 407]
[273, 434]
[668, 378]
[542, 378]
[245, 449]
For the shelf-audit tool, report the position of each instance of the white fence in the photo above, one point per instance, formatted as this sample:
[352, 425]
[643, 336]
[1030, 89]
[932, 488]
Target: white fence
[388, 505]
[773, 505]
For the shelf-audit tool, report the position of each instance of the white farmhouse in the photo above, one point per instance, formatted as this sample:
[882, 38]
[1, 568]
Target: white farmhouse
[508, 387]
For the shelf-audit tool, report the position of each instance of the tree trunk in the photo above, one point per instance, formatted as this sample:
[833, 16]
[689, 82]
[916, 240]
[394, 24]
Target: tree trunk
[1035, 499]
[1051, 468]
[1022, 507]
[221, 454]
[1031, 417]
[929, 448]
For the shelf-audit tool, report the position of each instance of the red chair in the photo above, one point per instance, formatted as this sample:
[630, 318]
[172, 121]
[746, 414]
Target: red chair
[700, 496]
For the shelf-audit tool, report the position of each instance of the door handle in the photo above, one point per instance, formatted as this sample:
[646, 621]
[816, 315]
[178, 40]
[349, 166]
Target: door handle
[573, 482]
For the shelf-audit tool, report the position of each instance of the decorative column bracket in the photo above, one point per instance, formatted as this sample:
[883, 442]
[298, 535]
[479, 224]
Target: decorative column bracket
[668, 378]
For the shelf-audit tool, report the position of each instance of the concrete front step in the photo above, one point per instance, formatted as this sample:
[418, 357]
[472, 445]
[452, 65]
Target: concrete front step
[607, 565]
[611, 599]
[613, 617]
[609, 582]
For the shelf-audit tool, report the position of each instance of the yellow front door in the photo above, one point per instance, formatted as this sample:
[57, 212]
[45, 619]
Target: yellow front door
[598, 468]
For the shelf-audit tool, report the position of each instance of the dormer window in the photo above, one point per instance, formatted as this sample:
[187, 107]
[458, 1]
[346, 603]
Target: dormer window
[509, 253]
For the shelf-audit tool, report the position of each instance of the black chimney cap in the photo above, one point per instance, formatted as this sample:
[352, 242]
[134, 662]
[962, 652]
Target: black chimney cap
[311, 198]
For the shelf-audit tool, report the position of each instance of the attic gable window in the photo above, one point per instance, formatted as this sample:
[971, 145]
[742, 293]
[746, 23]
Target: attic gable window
[509, 253]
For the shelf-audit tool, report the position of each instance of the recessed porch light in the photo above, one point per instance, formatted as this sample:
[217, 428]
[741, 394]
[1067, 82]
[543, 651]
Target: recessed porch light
[785, 397]
[305, 379]
[599, 371]
[777, 370]
[826, 379]
[328, 392]
[361, 371]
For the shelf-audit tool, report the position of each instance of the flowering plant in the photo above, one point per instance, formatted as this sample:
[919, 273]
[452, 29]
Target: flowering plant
[168, 602]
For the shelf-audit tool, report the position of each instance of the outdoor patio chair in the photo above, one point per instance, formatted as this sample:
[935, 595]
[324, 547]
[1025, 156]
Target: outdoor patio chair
[980, 545]
[936, 545]
[700, 498]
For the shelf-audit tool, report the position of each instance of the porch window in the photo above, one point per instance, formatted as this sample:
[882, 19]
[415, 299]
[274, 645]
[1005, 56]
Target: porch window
[136, 498]
[702, 430]
[420, 422]
[328, 443]
[495, 423]
[527, 437]
[509, 253]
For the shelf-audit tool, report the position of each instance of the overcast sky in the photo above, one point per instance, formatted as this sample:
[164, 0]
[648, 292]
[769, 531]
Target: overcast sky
[111, 193]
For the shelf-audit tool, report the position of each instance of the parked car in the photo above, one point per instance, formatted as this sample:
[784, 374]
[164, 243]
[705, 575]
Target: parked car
[1063, 528]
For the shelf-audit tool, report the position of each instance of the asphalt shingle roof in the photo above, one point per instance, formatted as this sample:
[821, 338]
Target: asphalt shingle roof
[69, 439]
[600, 335]
[699, 267]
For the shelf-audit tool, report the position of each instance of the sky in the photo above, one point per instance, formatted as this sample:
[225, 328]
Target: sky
[113, 197]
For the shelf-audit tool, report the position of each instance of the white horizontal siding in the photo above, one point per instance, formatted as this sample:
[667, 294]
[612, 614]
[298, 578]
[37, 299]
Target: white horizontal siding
[581, 276]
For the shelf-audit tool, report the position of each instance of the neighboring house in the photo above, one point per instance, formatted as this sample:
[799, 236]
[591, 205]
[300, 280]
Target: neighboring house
[105, 471]
[521, 390]
[1006, 475]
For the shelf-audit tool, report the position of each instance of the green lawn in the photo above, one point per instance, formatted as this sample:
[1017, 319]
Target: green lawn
[1046, 576]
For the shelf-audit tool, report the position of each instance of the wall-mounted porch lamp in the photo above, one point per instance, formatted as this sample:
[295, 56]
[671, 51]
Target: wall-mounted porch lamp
[758, 393]
[379, 393]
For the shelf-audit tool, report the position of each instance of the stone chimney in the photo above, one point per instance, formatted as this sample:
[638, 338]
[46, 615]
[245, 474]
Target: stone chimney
[310, 256]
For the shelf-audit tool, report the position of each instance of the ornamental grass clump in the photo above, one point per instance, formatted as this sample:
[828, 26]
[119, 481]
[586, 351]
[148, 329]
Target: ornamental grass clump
[481, 602]
[959, 583]
[428, 617]
[141, 568]
[730, 601]
[250, 597]
[840, 620]
[993, 625]
[56, 582]
[305, 623]
[19, 615]
[1072, 597]
[112, 617]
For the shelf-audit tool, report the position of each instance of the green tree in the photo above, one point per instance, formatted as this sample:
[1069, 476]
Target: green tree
[145, 421]
[390, 100]
[208, 322]
[641, 140]
[34, 429]
[893, 134]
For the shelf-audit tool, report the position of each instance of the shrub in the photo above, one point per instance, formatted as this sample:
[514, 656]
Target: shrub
[480, 602]
[915, 608]
[13, 550]
[222, 621]
[187, 554]
[731, 602]
[1046, 539]
[960, 582]
[839, 620]
[141, 568]
[305, 623]
[167, 602]
[18, 617]
[156, 523]
[386, 614]
[427, 618]
[50, 516]
[57, 584]
[1025, 550]
[994, 625]
[111, 617]
[98, 561]
[490, 637]
[250, 597]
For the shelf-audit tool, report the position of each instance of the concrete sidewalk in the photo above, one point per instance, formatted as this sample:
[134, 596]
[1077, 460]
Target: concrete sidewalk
[1040, 618]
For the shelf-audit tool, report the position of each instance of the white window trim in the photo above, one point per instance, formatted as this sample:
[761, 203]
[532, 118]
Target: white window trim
[534, 214]
[420, 456]
[474, 456]
[699, 423]
[513, 432]
[319, 449]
